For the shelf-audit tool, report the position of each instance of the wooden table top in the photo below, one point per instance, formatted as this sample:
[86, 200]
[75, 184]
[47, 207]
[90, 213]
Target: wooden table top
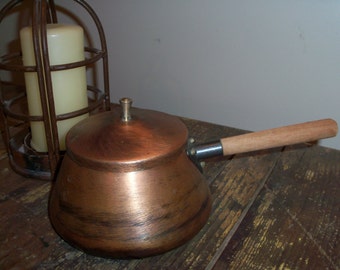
[273, 209]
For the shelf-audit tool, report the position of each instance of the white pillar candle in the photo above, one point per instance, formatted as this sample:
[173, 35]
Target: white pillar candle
[65, 45]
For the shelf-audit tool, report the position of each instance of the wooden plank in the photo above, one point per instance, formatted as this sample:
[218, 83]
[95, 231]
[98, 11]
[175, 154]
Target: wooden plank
[294, 222]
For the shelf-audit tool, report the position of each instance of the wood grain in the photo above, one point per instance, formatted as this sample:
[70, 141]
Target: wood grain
[280, 136]
[294, 222]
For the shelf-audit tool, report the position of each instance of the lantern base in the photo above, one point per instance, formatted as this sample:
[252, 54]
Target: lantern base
[25, 160]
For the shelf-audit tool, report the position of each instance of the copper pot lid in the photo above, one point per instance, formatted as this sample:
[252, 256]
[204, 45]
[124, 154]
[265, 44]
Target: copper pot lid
[126, 138]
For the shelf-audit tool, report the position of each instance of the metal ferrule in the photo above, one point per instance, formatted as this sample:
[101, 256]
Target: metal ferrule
[125, 104]
[206, 150]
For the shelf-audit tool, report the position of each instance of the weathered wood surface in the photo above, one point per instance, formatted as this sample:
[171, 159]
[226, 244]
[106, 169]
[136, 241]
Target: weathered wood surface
[258, 209]
[294, 222]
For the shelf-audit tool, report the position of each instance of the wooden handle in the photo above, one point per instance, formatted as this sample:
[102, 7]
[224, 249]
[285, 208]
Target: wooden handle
[281, 136]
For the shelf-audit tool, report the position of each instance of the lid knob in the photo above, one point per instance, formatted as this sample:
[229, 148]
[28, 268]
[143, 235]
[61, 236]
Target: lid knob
[125, 104]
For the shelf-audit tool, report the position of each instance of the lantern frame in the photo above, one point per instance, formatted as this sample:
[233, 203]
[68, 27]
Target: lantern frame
[13, 103]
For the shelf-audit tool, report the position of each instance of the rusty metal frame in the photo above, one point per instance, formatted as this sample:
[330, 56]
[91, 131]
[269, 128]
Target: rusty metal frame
[44, 12]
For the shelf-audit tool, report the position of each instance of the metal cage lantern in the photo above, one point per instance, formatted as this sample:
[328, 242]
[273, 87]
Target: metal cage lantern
[37, 114]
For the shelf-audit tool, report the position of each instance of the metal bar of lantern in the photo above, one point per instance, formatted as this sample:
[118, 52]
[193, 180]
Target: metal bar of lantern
[44, 81]
[104, 50]
[5, 133]
[53, 146]
[7, 7]
[52, 12]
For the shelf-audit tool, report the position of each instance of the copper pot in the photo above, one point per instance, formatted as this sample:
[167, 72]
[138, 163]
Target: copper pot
[127, 186]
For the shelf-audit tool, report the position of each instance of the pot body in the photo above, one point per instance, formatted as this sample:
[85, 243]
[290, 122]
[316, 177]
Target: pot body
[129, 209]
